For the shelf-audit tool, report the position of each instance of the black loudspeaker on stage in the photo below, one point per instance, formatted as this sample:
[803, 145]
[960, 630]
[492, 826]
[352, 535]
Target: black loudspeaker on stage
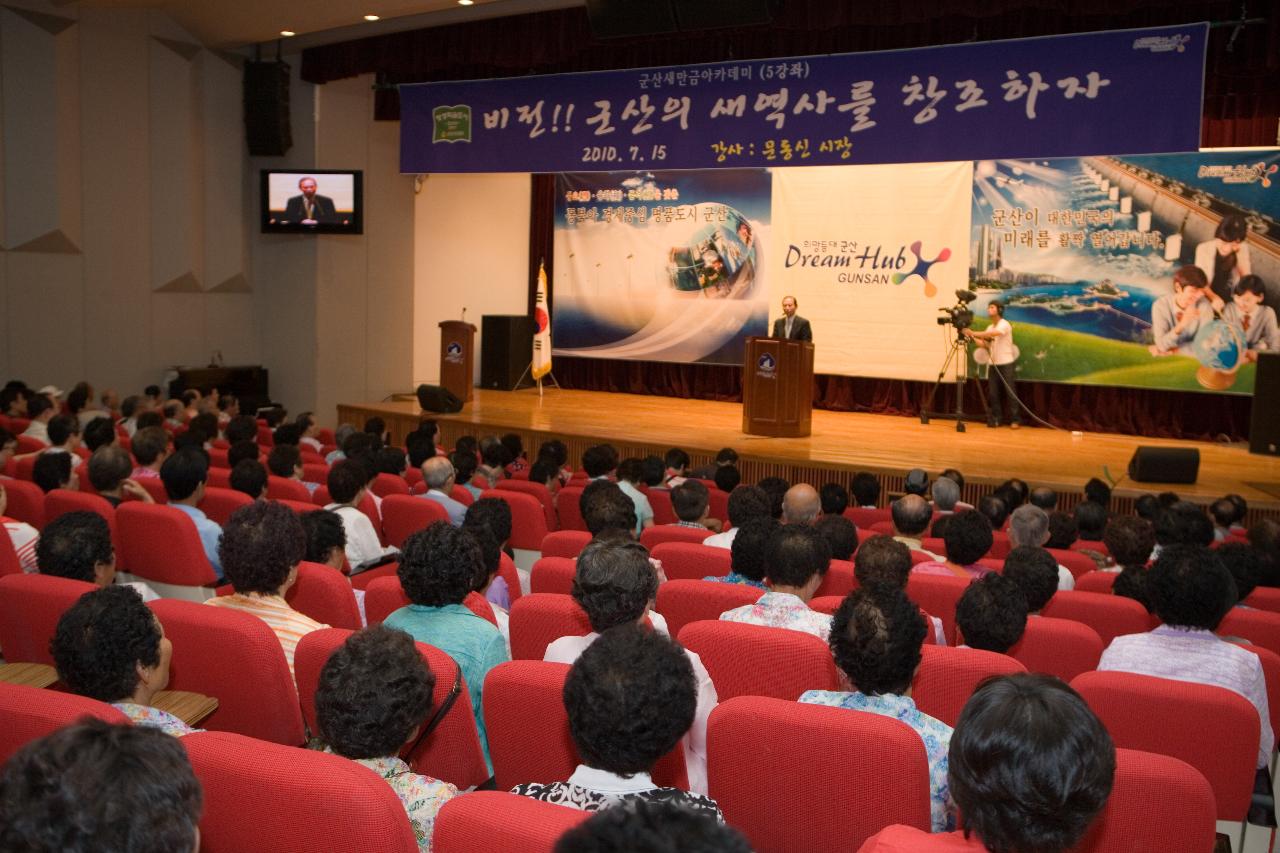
[433, 398]
[506, 347]
[1164, 465]
[266, 108]
[1264, 425]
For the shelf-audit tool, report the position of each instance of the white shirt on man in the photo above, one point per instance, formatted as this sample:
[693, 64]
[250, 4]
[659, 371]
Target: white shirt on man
[1002, 343]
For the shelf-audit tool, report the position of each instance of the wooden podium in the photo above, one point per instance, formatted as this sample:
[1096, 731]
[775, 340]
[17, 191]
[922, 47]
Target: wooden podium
[457, 357]
[777, 387]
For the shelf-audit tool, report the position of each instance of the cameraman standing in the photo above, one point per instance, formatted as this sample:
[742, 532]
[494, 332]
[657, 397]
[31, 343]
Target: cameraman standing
[998, 339]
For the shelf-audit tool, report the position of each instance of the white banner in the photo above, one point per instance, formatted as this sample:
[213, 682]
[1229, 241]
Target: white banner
[871, 253]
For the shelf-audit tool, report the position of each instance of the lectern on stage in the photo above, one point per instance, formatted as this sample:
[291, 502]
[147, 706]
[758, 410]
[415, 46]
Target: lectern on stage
[777, 387]
[457, 356]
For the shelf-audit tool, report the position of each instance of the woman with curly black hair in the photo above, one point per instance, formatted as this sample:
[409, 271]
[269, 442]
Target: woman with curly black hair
[876, 635]
[373, 697]
[109, 646]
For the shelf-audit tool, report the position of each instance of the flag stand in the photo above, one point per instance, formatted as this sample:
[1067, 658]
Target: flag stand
[525, 373]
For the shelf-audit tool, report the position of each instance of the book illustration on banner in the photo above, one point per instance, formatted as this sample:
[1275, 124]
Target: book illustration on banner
[1159, 271]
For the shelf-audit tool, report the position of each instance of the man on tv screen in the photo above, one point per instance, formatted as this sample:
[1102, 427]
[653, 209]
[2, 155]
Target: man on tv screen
[309, 208]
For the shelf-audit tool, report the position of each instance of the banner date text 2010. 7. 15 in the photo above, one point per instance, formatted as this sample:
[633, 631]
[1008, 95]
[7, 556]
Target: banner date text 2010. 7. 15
[632, 153]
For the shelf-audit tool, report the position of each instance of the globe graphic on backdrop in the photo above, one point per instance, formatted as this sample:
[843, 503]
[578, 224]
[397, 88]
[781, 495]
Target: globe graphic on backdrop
[1218, 346]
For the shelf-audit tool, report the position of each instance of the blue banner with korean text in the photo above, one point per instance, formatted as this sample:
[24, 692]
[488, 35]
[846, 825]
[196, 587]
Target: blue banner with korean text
[1134, 91]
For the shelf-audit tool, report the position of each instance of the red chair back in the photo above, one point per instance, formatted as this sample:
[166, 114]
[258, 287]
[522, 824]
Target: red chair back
[937, 595]
[385, 485]
[1110, 615]
[650, 537]
[28, 713]
[1058, 647]
[1271, 675]
[404, 515]
[752, 660]
[1181, 818]
[315, 472]
[660, 502]
[9, 562]
[539, 619]
[219, 503]
[1264, 598]
[567, 509]
[867, 519]
[1078, 564]
[265, 437]
[719, 504]
[553, 574]
[825, 749]
[539, 492]
[155, 487]
[1169, 717]
[29, 444]
[1096, 581]
[947, 677]
[462, 494]
[160, 543]
[504, 821]
[838, 580]
[692, 560]
[325, 595]
[30, 607]
[301, 508]
[235, 658]
[507, 571]
[565, 543]
[451, 753]
[1260, 627]
[682, 602]
[263, 796]
[287, 488]
[62, 501]
[25, 502]
[383, 597]
[218, 458]
[219, 478]
[528, 518]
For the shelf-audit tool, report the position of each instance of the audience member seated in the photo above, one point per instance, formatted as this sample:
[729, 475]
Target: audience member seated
[1146, 506]
[967, 539]
[727, 478]
[876, 636]
[249, 476]
[464, 467]
[494, 459]
[491, 562]
[1192, 525]
[1091, 521]
[1264, 536]
[1242, 561]
[13, 400]
[801, 505]
[55, 471]
[916, 482]
[1098, 492]
[95, 786]
[1029, 526]
[150, 447]
[629, 481]
[1034, 571]
[109, 646]
[992, 614]
[8, 447]
[347, 487]
[745, 503]
[995, 509]
[727, 457]
[308, 432]
[834, 498]
[884, 562]
[1131, 582]
[440, 478]
[24, 537]
[676, 463]
[775, 488]
[373, 698]
[1191, 591]
[242, 428]
[77, 545]
[692, 504]
[98, 433]
[184, 474]
[285, 460]
[946, 494]
[392, 460]
[261, 549]
[241, 450]
[1062, 530]
[515, 453]
[599, 461]
[605, 508]
[326, 538]
[493, 516]
[438, 568]
[630, 696]
[865, 488]
[747, 554]
[109, 469]
[797, 558]
[286, 435]
[648, 827]
[840, 534]
[911, 515]
[616, 585]
[544, 471]
[64, 437]
[1030, 767]
[1130, 541]
[1045, 498]
[40, 410]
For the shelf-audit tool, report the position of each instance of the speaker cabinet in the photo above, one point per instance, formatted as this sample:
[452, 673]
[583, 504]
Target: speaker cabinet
[506, 348]
[434, 398]
[1264, 425]
[1164, 465]
[266, 108]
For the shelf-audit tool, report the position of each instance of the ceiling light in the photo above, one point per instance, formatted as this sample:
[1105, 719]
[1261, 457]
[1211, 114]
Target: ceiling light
[466, 2]
[287, 33]
[371, 17]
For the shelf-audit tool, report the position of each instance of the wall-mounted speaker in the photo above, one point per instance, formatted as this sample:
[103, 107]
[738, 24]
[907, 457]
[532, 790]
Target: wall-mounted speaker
[1264, 425]
[266, 108]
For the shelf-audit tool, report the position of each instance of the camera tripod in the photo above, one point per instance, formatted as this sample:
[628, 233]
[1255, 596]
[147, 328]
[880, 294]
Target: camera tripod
[957, 362]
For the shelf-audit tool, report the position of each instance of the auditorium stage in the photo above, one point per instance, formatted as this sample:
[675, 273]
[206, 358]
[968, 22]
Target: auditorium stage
[841, 442]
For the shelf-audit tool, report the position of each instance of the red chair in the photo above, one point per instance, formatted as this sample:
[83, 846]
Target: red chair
[1259, 627]
[218, 458]
[155, 488]
[235, 658]
[1089, 545]
[262, 796]
[9, 562]
[719, 504]
[553, 574]
[325, 595]
[807, 752]
[27, 713]
[650, 537]
[528, 519]
[752, 660]
[1264, 598]
[528, 728]
[385, 485]
[937, 595]
[29, 444]
[1060, 647]
[504, 821]
[1180, 818]
[692, 560]
[218, 478]
[540, 619]
[25, 502]
[1271, 675]
[462, 495]
[866, 519]
[1096, 581]
[1169, 718]
[568, 510]
[383, 597]
[827, 604]
[1078, 564]
[362, 580]
[947, 677]
[565, 543]
[265, 437]
[1110, 615]
[62, 501]
[219, 504]
[315, 472]
[682, 602]
[30, 607]
[451, 753]
[663, 511]
[161, 545]
[301, 508]
[507, 571]
[287, 488]
[537, 491]
[404, 515]
[838, 580]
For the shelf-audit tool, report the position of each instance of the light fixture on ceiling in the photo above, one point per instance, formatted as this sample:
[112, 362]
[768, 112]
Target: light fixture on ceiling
[371, 18]
[466, 2]
[287, 33]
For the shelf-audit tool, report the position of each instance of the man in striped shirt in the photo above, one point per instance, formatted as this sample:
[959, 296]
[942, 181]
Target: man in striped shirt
[261, 547]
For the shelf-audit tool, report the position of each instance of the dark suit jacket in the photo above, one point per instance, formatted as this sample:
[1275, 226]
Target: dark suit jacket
[800, 329]
[325, 212]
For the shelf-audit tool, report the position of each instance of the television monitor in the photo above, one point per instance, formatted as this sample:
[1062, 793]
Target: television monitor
[315, 201]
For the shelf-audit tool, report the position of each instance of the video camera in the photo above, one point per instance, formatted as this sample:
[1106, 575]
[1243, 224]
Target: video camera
[959, 315]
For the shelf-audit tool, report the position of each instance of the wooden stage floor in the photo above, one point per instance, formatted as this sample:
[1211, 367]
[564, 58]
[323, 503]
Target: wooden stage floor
[841, 442]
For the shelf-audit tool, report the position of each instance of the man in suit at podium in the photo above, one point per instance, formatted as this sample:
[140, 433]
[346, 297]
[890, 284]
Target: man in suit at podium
[791, 325]
[309, 208]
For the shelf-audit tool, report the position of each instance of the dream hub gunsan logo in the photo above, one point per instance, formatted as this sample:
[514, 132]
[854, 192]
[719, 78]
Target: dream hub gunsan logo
[866, 264]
